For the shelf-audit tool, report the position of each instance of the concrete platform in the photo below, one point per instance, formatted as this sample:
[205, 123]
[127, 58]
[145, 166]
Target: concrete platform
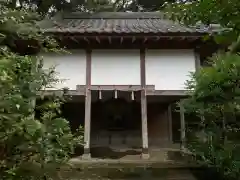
[162, 158]
[161, 165]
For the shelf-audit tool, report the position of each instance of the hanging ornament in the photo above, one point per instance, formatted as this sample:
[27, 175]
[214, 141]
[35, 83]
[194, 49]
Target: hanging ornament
[115, 94]
[100, 94]
[132, 95]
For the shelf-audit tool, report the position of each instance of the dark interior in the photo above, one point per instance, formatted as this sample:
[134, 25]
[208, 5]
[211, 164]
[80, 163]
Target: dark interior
[116, 123]
[116, 115]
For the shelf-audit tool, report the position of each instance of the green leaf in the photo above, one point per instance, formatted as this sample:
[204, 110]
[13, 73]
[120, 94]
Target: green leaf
[32, 126]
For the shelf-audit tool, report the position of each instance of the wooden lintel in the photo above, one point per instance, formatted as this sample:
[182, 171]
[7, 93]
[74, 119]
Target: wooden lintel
[61, 92]
[167, 93]
[110, 39]
[116, 87]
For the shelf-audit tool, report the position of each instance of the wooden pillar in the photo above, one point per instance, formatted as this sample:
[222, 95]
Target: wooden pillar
[87, 124]
[145, 153]
[170, 122]
[197, 59]
[183, 127]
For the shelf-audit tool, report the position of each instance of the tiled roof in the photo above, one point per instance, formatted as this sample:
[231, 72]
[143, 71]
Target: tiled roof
[119, 22]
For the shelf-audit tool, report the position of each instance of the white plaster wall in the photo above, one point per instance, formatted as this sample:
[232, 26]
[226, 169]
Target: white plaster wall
[169, 69]
[71, 68]
[115, 67]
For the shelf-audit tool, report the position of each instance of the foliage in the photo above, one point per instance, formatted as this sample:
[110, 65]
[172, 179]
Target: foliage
[20, 32]
[217, 86]
[215, 90]
[215, 100]
[51, 6]
[223, 14]
[30, 147]
[147, 5]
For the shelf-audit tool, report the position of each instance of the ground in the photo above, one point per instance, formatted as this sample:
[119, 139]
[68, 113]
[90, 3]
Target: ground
[128, 174]
[132, 167]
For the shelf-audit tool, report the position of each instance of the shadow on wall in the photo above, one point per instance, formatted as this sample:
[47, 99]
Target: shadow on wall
[74, 112]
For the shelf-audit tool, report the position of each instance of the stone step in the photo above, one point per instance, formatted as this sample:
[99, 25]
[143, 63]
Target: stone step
[103, 172]
[128, 174]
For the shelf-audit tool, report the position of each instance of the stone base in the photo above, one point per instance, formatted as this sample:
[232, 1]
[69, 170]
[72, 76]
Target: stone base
[86, 156]
[145, 153]
[145, 156]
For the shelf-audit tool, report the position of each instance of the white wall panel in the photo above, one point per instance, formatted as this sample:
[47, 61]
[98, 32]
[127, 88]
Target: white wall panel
[71, 68]
[169, 69]
[115, 67]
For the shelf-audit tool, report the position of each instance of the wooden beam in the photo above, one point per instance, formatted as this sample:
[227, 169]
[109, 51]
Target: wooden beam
[170, 123]
[145, 153]
[168, 92]
[183, 126]
[87, 125]
[117, 87]
[61, 93]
